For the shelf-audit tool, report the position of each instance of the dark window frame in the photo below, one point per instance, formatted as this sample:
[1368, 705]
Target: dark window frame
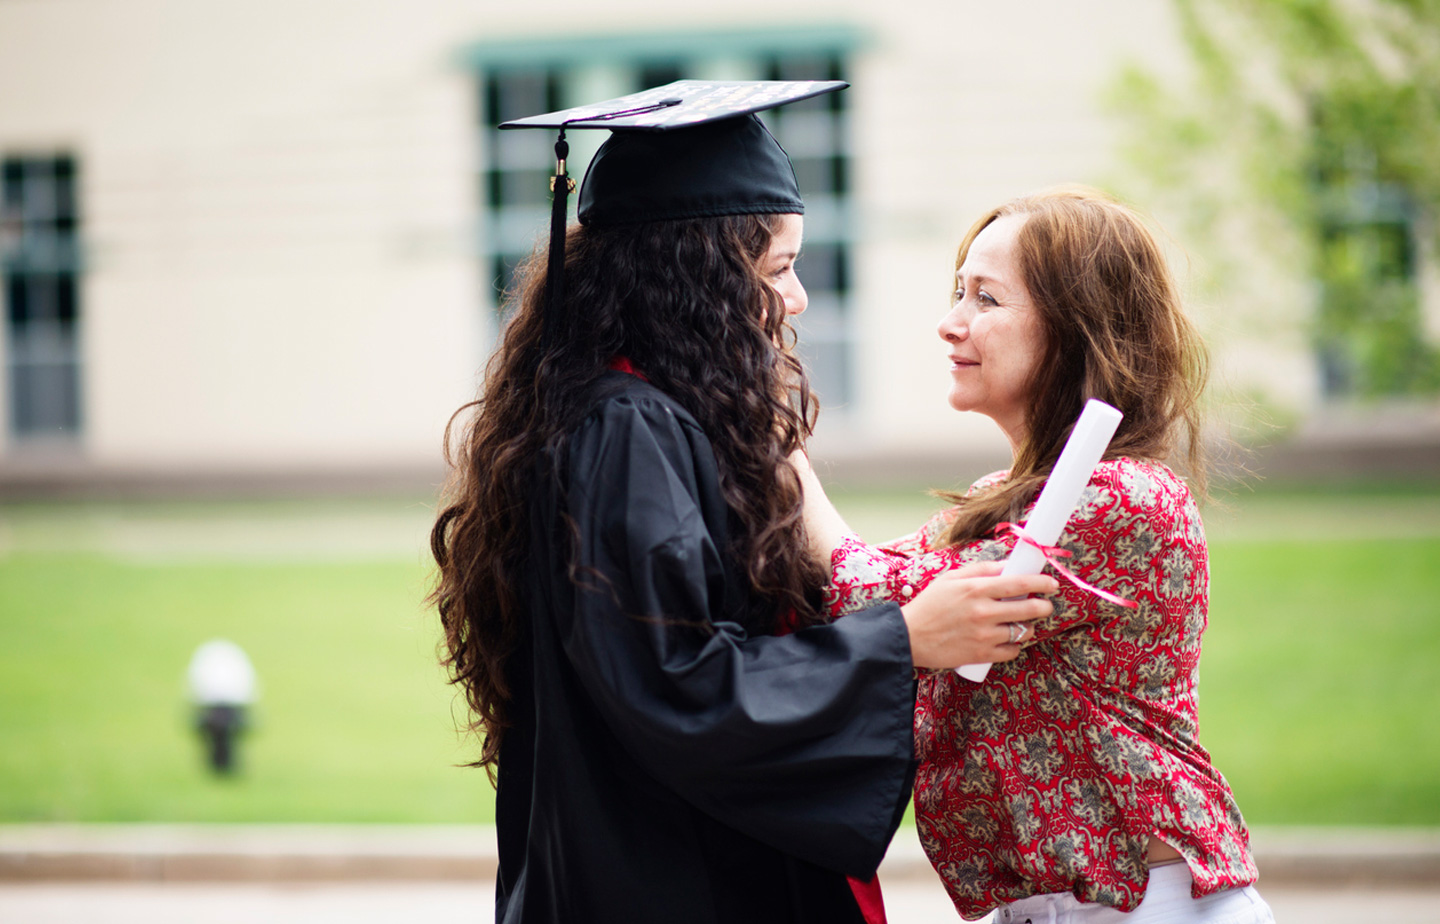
[40, 263]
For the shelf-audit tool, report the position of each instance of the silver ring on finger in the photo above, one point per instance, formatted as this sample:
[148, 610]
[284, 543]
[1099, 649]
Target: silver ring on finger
[1016, 633]
[1024, 631]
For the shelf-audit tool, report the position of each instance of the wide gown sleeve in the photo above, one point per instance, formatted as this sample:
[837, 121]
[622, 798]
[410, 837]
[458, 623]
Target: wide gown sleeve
[802, 741]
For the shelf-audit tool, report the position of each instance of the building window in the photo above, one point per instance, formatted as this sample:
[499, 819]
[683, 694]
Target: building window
[519, 79]
[814, 134]
[517, 168]
[1370, 339]
[39, 248]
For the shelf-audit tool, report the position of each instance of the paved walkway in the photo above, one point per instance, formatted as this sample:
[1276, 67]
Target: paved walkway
[908, 902]
[159, 874]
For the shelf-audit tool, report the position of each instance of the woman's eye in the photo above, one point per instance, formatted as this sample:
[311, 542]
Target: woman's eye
[985, 299]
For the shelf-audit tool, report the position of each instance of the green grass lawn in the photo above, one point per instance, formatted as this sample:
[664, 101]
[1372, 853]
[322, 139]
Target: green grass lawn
[1319, 678]
[353, 723]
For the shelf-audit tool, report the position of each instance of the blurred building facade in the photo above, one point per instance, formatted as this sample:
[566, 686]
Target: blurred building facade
[268, 237]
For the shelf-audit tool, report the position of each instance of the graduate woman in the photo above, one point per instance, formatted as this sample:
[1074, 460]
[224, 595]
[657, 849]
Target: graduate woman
[676, 731]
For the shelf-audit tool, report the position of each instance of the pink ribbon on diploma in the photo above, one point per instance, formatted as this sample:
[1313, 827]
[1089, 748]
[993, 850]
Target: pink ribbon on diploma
[1052, 552]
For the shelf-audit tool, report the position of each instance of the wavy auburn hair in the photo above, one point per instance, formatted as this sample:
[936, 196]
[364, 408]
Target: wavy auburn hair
[686, 302]
[1113, 328]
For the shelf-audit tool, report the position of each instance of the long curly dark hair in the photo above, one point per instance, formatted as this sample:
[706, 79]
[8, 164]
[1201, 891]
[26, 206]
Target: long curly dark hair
[686, 302]
[1114, 329]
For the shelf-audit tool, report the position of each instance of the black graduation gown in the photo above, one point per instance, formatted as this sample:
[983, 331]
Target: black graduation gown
[662, 764]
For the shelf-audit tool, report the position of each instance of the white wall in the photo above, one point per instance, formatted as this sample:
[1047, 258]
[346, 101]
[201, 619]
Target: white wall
[278, 206]
[280, 200]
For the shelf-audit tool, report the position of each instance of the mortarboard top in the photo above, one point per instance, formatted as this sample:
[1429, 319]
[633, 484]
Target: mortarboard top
[681, 104]
[689, 149]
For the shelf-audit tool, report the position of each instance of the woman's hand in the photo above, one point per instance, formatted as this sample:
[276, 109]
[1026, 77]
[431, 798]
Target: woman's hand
[964, 616]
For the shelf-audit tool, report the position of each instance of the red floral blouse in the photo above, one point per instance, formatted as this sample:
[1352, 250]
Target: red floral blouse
[1052, 775]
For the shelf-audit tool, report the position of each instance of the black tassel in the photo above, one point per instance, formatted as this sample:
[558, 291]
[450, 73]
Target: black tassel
[560, 187]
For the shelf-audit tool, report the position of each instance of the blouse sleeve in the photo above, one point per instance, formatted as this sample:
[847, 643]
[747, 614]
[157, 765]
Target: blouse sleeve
[1136, 533]
[862, 575]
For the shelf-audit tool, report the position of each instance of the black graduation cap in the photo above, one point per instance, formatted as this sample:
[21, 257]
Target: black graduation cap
[689, 149]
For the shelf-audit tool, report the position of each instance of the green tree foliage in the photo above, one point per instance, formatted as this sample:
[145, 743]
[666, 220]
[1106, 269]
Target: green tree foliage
[1309, 131]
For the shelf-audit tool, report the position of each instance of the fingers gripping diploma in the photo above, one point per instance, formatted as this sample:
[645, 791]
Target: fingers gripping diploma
[964, 616]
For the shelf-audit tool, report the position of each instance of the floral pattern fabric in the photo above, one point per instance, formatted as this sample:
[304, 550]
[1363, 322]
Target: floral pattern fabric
[1052, 774]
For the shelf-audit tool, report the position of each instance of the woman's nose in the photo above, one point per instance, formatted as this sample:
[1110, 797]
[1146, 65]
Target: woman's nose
[796, 299]
[953, 328]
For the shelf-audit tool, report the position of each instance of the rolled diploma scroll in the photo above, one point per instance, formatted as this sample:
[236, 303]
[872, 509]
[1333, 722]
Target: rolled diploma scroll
[1059, 497]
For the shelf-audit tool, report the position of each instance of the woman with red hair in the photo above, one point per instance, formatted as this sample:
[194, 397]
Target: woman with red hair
[1071, 785]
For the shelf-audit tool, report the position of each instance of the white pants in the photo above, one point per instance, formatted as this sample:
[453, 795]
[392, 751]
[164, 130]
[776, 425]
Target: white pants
[1167, 901]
